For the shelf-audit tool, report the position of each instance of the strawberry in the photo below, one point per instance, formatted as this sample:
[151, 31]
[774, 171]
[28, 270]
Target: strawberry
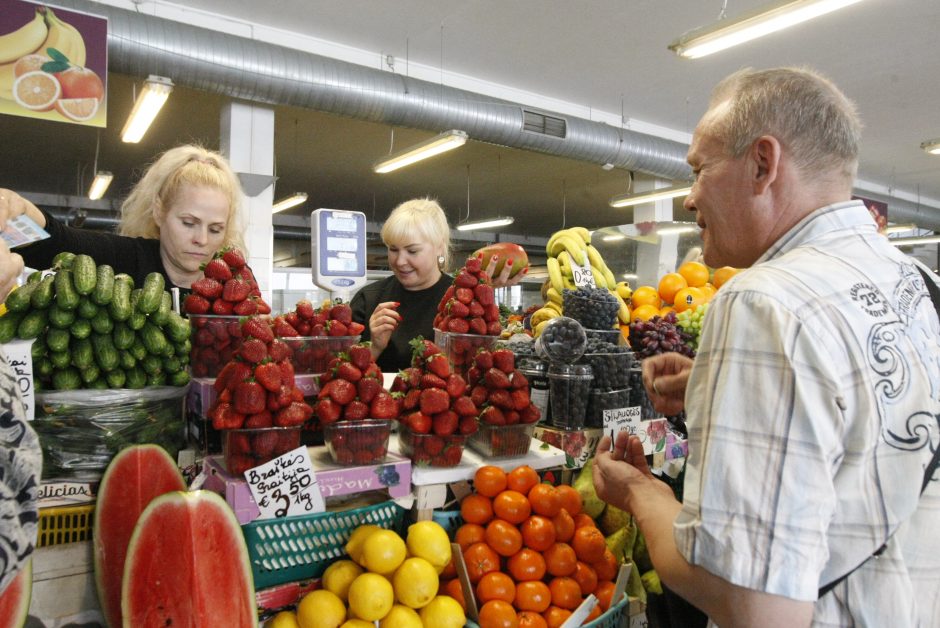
[467, 425]
[464, 296]
[434, 400]
[458, 326]
[292, 319]
[492, 415]
[195, 304]
[412, 398]
[268, 374]
[311, 330]
[361, 355]
[476, 310]
[440, 322]
[504, 360]
[348, 371]
[234, 258]
[518, 380]
[438, 365]
[444, 423]
[305, 309]
[283, 329]
[222, 307]
[367, 388]
[484, 294]
[297, 413]
[235, 290]
[465, 279]
[342, 313]
[217, 269]
[520, 398]
[495, 378]
[493, 328]
[373, 370]
[457, 309]
[248, 307]
[399, 384]
[478, 395]
[207, 287]
[339, 390]
[287, 372]
[477, 326]
[249, 398]
[464, 406]
[452, 456]
[257, 328]
[355, 329]
[430, 380]
[449, 293]
[421, 350]
[491, 313]
[418, 422]
[253, 351]
[433, 445]
[530, 414]
[296, 394]
[224, 417]
[283, 397]
[264, 308]
[385, 406]
[337, 328]
[328, 411]
[412, 376]
[512, 417]
[279, 350]
[501, 399]
[264, 444]
[456, 385]
[483, 359]
[356, 411]
[261, 419]
[474, 264]
[232, 373]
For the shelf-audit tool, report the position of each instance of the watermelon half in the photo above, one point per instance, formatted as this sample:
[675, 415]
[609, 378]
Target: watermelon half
[14, 600]
[134, 477]
[187, 566]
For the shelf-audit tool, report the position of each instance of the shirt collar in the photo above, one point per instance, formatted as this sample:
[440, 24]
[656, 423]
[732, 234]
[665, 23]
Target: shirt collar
[838, 217]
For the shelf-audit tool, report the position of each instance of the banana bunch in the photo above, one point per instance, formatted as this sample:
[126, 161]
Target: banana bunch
[574, 244]
[44, 31]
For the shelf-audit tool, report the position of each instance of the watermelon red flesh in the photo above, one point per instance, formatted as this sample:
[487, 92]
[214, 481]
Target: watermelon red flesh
[187, 566]
[14, 600]
[135, 476]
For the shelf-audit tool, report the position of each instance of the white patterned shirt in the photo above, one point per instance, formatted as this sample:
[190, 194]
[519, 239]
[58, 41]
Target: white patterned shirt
[813, 409]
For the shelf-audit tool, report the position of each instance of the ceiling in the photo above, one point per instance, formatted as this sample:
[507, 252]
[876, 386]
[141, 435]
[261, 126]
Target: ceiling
[599, 59]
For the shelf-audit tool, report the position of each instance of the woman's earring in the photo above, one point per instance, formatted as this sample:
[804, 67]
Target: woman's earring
[440, 262]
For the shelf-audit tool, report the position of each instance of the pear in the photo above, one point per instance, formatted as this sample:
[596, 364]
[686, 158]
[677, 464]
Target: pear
[584, 483]
[612, 519]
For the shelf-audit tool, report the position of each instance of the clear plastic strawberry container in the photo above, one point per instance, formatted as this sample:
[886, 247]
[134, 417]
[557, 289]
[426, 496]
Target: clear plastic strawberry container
[247, 448]
[502, 441]
[311, 354]
[431, 450]
[460, 348]
[214, 339]
[357, 442]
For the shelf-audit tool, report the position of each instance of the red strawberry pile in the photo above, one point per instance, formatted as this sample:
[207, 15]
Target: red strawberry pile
[256, 389]
[331, 320]
[436, 410]
[351, 391]
[227, 288]
[469, 305]
[501, 392]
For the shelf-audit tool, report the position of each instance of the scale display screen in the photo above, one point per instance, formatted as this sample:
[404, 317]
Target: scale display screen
[338, 248]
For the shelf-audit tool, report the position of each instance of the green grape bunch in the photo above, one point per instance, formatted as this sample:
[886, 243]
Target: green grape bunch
[690, 321]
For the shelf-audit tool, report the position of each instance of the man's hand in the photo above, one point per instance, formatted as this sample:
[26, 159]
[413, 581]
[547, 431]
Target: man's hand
[11, 267]
[13, 205]
[622, 476]
[665, 378]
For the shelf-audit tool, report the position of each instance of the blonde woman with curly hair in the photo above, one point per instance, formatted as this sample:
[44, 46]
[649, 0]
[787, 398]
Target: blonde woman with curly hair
[185, 207]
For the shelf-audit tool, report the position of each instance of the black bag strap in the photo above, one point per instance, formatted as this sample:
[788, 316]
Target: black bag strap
[931, 466]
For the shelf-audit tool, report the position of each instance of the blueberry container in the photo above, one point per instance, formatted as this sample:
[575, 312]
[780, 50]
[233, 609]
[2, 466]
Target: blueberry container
[638, 396]
[570, 390]
[595, 308]
[602, 400]
[536, 371]
[611, 369]
[562, 341]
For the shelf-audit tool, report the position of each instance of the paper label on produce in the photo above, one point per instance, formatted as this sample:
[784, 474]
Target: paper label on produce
[19, 358]
[618, 420]
[583, 277]
[286, 486]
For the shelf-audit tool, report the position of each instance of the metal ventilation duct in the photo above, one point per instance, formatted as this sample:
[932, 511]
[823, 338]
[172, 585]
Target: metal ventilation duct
[139, 45]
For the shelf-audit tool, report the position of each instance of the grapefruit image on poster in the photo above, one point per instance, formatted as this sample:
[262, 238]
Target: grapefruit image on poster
[53, 63]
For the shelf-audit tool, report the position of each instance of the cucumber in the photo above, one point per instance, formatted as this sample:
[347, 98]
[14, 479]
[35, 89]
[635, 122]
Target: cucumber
[32, 324]
[157, 379]
[99, 384]
[42, 296]
[120, 306]
[123, 336]
[62, 319]
[127, 361]
[172, 364]
[90, 374]
[84, 274]
[135, 378]
[179, 378]
[88, 308]
[136, 320]
[58, 339]
[116, 378]
[34, 277]
[104, 287]
[183, 349]
[83, 355]
[105, 353]
[138, 350]
[162, 315]
[38, 349]
[81, 328]
[65, 295]
[101, 323]
[43, 367]
[9, 323]
[151, 364]
[18, 300]
[177, 327]
[153, 338]
[63, 260]
[60, 359]
[66, 379]
[151, 293]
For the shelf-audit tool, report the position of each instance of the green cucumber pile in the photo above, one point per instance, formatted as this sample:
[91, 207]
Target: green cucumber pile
[92, 328]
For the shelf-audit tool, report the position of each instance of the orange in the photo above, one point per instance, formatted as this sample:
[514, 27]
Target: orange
[604, 592]
[37, 91]
[496, 586]
[564, 526]
[723, 274]
[489, 481]
[645, 295]
[555, 616]
[588, 544]
[538, 533]
[566, 593]
[644, 313]
[530, 619]
[583, 519]
[594, 614]
[454, 590]
[688, 299]
[468, 534]
[586, 578]
[545, 500]
[526, 565]
[560, 560]
[607, 567]
[665, 310]
[570, 498]
[512, 506]
[481, 560]
[670, 284]
[709, 291]
[533, 596]
[695, 273]
[29, 63]
[503, 537]
[522, 479]
[498, 614]
[476, 509]
[78, 109]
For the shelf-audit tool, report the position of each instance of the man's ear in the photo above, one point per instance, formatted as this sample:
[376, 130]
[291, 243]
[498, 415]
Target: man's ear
[765, 155]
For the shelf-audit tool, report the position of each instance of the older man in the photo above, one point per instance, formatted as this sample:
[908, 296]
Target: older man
[814, 402]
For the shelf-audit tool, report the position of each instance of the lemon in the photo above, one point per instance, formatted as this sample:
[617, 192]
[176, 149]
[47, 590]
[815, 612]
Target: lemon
[443, 612]
[284, 619]
[428, 540]
[339, 576]
[371, 596]
[321, 609]
[415, 582]
[401, 617]
[359, 535]
[382, 552]
[357, 623]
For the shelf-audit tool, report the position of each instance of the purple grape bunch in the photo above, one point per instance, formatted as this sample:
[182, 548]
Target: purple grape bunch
[659, 335]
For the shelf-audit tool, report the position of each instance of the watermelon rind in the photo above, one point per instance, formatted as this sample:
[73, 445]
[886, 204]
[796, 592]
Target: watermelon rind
[187, 565]
[134, 477]
[14, 600]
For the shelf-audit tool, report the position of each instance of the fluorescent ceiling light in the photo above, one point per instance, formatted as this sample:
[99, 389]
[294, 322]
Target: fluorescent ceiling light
[932, 146]
[769, 19]
[100, 184]
[614, 237]
[148, 104]
[626, 200]
[291, 201]
[933, 239]
[499, 221]
[438, 144]
[899, 228]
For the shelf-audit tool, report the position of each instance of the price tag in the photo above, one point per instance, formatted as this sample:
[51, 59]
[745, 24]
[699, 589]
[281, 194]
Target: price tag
[286, 486]
[618, 420]
[582, 276]
[20, 360]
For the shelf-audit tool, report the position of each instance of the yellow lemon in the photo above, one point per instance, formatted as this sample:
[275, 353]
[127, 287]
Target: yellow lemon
[382, 552]
[428, 540]
[321, 609]
[401, 617]
[284, 619]
[415, 582]
[357, 623]
[357, 538]
[339, 576]
[371, 596]
[443, 612]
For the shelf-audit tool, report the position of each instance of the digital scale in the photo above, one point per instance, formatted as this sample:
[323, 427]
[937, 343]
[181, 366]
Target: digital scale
[338, 250]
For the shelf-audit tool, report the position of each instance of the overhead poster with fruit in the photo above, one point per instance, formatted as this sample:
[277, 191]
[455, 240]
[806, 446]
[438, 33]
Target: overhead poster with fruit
[53, 63]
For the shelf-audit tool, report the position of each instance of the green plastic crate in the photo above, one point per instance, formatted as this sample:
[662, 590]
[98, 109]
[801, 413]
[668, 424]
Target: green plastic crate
[302, 547]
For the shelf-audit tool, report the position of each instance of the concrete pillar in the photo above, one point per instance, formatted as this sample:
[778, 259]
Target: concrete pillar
[248, 143]
[655, 260]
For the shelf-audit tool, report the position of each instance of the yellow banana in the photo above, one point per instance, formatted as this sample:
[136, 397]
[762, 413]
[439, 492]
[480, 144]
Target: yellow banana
[609, 277]
[554, 274]
[564, 262]
[595, 257]
[553, 295]
[537, 329]
[65, 38]
[599, 280]
[23, 40]
[7, 77]
[573, 245]
[623, 314]
[624, 291]
[555, 307]
[568, 283]
[540, 315]
[582, 233]
[554, 237]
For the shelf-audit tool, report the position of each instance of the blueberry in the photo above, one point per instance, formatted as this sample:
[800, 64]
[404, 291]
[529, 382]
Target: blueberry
[569, 391]
[595, 308]
[608, 400]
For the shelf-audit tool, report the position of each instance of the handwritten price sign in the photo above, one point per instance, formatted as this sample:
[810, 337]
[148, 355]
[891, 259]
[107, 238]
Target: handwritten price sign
[286, 486]
[20, 360]
[582, 276]
[618, 420]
